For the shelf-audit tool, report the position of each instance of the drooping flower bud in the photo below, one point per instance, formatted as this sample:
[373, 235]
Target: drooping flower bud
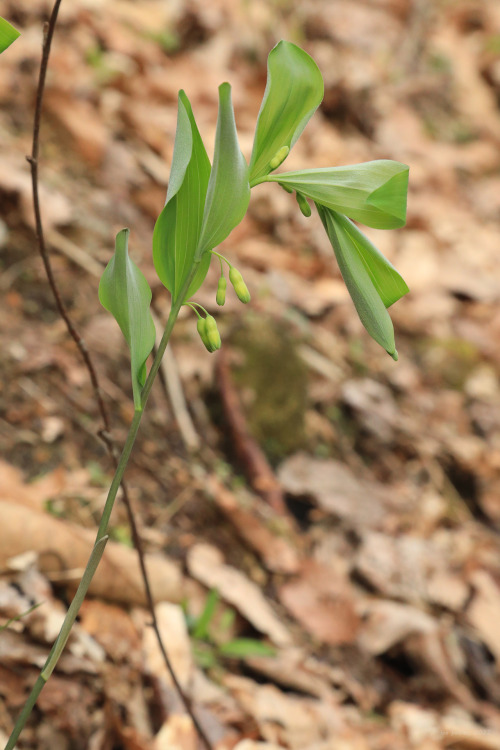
[279, 157]
[285, 187]
[239, 285]
[220, 297]
[201, 327]
[303, 204]
[212, 333]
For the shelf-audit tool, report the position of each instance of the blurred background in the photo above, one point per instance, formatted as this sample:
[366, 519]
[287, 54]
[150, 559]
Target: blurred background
[346, 507]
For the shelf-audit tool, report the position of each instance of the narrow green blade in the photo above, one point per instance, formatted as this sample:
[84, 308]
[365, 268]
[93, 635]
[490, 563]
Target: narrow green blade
[8, 34]
[389, 284]
[294, 91]
[125, 293]
[373, 193]
[245, 648]
[368, 302]
[178, 227]
[228, 191]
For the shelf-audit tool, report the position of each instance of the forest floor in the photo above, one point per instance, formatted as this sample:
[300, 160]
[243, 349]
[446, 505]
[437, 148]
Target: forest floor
[338, 511]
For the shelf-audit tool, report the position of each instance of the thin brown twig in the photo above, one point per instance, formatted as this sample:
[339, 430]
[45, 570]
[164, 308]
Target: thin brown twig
[105, 431]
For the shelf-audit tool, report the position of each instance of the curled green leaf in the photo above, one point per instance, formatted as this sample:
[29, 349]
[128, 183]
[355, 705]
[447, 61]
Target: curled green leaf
[371, 280]
[294, 91]
[177, 229]
[373, 193]
[228, 192]
[125, 293]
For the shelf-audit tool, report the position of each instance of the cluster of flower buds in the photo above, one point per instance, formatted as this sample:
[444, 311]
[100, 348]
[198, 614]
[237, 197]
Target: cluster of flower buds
[207, 327]
[209, 333]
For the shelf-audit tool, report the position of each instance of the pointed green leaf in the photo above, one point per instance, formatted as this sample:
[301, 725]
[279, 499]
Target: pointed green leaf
[176, 233]
[389, 284]
[359, 281]
[228, 191]
[245, 648]
[125, 293]
[373, 193]
[8, 34]
[294, 91]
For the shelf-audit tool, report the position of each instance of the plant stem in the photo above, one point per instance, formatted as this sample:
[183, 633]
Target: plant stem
[259, 181]
[221, 258]
[101, 537]
[105, 431]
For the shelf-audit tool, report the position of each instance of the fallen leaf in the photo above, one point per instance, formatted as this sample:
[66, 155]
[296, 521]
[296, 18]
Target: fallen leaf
[323, 603]
[175, 636]
[64, 549]
[484, 611]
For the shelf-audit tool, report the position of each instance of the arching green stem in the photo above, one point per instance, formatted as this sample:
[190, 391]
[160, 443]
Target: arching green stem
[101, 537]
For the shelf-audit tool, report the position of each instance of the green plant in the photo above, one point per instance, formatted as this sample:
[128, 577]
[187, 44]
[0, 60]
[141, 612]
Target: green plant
[204, 203]
[211, 642]
[8, 34]
[16, 618]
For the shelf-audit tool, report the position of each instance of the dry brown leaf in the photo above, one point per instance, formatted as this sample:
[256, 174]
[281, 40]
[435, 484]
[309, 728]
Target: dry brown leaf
[323, 603]
[275, 551]
[177, 733]
[484, 611]
[419, 724]
[175, 636]
[297, 723]
[386, 623]
[112, 628]
[64, 550]
[15, 180]
[83, 123]
[336, 489]
[457, 731]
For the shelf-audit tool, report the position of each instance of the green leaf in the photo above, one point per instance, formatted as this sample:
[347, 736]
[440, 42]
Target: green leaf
[373, 193]
[201, 628]
[294, 91]
[228, 191]
[178, 227]
[125, 293]
[16, 618]
[8, 34]
[242, 648]
[389, 284]
[363, 277]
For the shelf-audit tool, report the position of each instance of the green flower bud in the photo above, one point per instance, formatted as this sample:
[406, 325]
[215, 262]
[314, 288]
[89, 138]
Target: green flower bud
[212, 333]
[286, 188]
[303, 204]
[279, 157]
[201, 327]
[220, 297]
[239, 285]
